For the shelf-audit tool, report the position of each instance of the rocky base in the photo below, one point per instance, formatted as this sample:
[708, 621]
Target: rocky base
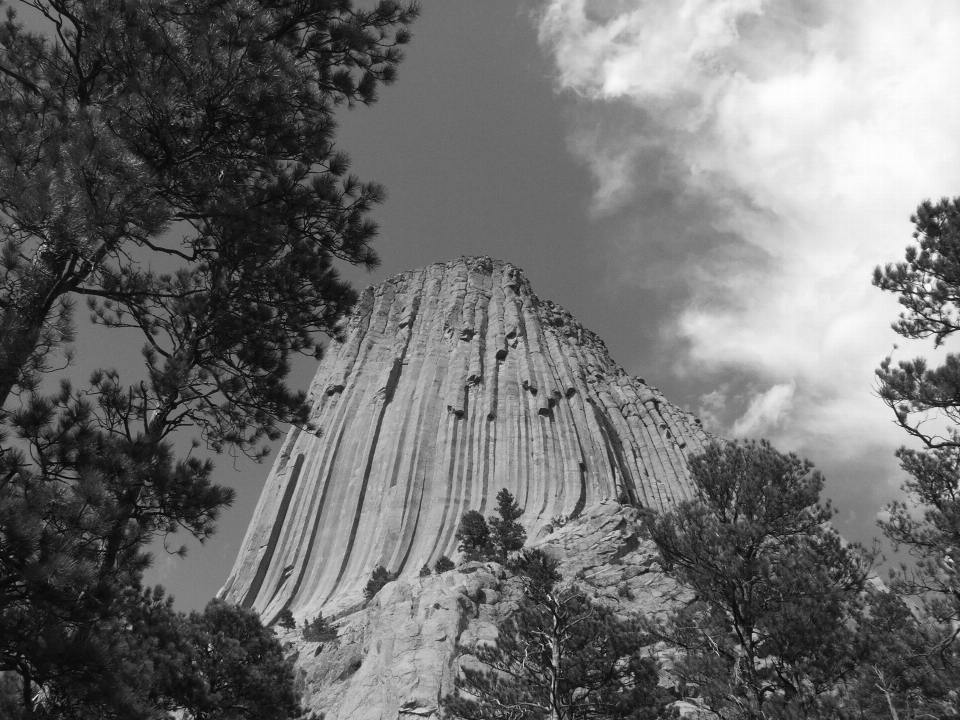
[397, 656]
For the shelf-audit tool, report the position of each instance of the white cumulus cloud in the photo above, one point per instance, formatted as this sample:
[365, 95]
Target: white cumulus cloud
[765, 412]
[801, 133]
[769, 154]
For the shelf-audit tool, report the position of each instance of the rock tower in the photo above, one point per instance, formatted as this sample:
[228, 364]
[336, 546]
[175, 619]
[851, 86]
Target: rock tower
[451, 382]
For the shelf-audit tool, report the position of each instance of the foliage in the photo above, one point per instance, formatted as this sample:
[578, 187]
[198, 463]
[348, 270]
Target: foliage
[933, 539]
[897, 676]
[213, 120]
[286, 620]
[559, 656]
[474, 536]
[507, 534]
[173, 162]
[378, 578]
[443, 564]
[237, 668]
[319, 630]
[493, 539]
[425, 571]
[75, 515]
[926, 404]
[927, 286]
[777, 590]
[218, 664]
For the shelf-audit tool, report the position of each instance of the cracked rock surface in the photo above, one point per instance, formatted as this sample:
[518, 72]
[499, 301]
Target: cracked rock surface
[399, 655]
[451, 382]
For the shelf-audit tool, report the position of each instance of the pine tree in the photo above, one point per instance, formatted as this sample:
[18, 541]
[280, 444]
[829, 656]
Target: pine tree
[217, 117]
[560, 656]
[927, 285]
[286, 620]
[506, 534]
[378, 578]
[897, 676]
[319, 630]
[494, 538]
[474, 536]
[772, 630]
[238, 668]
[216, 664]
[213, 119]
[926, 405]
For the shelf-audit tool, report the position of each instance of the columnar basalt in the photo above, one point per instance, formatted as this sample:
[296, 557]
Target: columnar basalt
[452, 382]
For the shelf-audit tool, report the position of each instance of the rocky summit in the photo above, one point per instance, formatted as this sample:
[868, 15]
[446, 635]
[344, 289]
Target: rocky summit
[450, 383]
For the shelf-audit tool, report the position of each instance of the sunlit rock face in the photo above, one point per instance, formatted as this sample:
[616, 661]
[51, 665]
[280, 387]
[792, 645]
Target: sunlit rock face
[452, 382]
[396, 657]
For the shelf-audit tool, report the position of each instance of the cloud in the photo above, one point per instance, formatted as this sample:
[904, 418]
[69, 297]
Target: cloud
[766, 411]
[768, 154]
[753, 161]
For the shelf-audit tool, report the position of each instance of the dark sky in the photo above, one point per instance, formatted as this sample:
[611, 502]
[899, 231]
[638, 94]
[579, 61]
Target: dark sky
[707, 184]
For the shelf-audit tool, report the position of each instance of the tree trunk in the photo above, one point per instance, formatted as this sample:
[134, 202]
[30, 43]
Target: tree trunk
[556, 709]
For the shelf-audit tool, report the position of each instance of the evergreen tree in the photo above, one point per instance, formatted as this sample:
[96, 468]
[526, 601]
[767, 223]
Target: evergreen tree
[443, 564]
[213, 119]
[494, 538]
[474, 537]
[897, 676]
[221, 663]
[560, 656]
[319, 630]
[286, 620]
[771, 631]
[237, 668]
[378, 578]
[926, 405]
[214, 116]
[927, 285]
[506, 534]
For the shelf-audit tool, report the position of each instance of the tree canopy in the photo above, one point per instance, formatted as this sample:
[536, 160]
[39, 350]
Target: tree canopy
[559, 656]
[927, 285]
[496, 538]
[925, 401]
[174, 162]
[772, 630]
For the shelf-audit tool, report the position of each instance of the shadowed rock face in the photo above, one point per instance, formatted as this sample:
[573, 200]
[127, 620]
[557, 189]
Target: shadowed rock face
[452, 382]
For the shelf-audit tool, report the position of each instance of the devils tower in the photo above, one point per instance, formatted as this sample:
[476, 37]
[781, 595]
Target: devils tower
[451, 382]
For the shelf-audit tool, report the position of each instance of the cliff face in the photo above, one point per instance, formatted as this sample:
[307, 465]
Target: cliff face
[399, 655]
[452, 381]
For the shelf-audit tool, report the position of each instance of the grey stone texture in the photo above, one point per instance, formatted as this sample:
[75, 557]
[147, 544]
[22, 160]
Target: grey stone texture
[400, 654]
[451, 382]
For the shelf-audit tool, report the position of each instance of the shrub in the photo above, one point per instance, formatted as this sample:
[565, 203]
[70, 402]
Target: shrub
[425, 570]
[443, 564]
[286, 620]
[378, 578]
[319, 630]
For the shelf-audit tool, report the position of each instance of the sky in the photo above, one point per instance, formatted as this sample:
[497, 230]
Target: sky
[707, 184]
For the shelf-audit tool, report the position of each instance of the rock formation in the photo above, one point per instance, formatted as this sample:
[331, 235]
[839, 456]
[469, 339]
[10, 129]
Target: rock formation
[451, 382]
[398, 656]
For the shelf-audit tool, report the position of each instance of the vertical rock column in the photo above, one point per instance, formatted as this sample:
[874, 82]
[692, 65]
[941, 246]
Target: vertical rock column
[452, 382]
